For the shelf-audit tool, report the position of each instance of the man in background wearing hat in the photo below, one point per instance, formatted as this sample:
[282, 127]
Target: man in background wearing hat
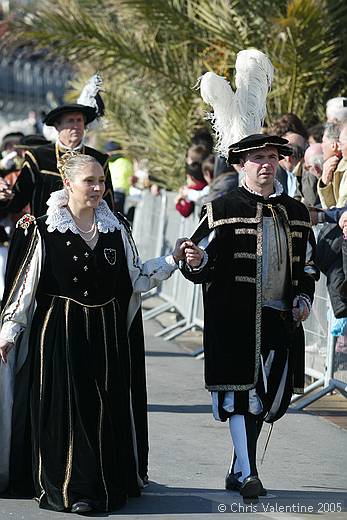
[9, 158]
[255, 261]
[40, 174]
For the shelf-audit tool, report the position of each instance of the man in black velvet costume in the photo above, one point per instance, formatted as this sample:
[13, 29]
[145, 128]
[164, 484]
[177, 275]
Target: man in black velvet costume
[255, 261]
[40, 174]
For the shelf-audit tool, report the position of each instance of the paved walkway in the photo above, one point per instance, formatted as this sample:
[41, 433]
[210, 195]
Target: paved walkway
[304, 468]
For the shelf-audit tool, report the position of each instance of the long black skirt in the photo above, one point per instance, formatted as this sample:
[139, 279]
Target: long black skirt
[81, 417]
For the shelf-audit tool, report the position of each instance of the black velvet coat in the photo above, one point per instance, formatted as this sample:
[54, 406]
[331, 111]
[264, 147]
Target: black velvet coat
[232, 285]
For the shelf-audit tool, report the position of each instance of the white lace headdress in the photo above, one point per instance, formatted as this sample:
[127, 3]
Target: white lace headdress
[241, 113]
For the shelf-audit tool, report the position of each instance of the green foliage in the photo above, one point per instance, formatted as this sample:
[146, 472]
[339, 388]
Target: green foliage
[151, 53]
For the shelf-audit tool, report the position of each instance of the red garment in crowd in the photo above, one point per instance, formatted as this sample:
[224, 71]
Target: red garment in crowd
[186, 207]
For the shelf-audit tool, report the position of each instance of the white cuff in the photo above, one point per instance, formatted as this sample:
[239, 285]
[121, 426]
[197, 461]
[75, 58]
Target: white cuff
[171, 262]
[10, 331]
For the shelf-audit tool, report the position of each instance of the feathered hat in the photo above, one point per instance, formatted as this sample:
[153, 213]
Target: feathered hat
[89, 103]
[238, 114]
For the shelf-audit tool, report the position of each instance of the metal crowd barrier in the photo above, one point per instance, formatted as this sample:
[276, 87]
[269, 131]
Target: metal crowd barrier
[157, 225]
[148, 227]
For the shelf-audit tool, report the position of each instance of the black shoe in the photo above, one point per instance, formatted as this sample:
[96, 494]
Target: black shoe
[81, 507]
[251, 487]
[233, 484]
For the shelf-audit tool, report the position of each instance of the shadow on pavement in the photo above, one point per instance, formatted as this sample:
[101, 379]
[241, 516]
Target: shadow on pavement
[159, 499]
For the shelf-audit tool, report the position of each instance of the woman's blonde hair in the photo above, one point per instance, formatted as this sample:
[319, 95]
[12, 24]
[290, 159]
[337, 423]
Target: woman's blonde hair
[71, 164]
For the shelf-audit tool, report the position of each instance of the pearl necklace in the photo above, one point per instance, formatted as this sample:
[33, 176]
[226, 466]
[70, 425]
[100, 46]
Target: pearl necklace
[89, 230]
[92, 237]
[93, 229]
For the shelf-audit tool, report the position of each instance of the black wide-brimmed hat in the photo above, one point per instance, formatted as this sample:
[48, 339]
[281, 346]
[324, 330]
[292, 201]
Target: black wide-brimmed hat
[88, 112]
[256, 142]
[11, 138]
[32, 141]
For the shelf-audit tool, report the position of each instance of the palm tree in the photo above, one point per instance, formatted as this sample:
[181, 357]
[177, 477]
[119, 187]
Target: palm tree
[151, 53]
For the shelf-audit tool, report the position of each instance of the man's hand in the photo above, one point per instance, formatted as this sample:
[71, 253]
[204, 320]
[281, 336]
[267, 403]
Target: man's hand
[5, 347]
[178, 252]
[329, 168]
[300, 309]
[343, 223]
[194, 255]
[5, 191]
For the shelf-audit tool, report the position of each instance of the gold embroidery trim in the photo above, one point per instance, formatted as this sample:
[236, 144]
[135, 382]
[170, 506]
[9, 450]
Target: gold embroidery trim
[68, 468]
[300, 223]
[33, 158]
[49, 172]
[259, 296]
[220, 388]
[247, 279]
[245, 231]
[86, 315]
[115, 325]
[296, 258]
[80, 303]
[248, 256]
[25, 268]
[26, 164]
[42, 339]
[296, 234]
[232, 220]
[100, 443]
[105, 343]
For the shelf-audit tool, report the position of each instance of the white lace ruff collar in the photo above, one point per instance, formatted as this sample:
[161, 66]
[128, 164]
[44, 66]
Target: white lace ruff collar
[60, 219]
[277, 185]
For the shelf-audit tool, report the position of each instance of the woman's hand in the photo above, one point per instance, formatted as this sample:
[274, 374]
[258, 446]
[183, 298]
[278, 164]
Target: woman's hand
[193, 254]
[5, 347]
[178, 252]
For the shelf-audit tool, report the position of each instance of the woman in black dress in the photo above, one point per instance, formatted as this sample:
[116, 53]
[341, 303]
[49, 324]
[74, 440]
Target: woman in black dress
[72, 311]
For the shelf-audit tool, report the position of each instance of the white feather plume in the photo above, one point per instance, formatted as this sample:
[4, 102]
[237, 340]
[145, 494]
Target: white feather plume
[50, 133]
[90, 96]
[254, 74]
[237, 115]
[217, 92]
[90, 90]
